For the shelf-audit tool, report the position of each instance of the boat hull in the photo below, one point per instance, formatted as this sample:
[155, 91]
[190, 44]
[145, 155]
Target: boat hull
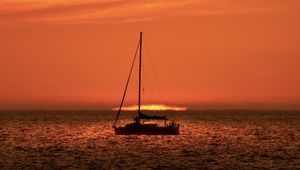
[147, 130]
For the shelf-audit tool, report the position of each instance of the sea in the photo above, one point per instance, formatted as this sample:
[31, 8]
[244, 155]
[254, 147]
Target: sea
[209, 139]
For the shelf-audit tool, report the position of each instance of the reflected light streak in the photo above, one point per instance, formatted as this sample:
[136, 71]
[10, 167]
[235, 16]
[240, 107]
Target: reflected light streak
[152, 107]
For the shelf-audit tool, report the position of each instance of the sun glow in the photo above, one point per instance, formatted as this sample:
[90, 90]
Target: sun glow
[153, 107]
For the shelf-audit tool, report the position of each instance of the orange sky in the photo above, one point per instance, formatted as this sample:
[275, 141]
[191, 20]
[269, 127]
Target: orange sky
[206, 53]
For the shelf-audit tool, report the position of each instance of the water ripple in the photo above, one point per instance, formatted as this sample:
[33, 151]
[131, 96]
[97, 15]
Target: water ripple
[208, 140]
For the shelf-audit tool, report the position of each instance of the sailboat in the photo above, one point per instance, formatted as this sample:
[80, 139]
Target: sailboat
[137, 127]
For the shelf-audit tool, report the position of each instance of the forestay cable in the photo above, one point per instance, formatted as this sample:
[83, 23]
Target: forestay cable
[123, 98]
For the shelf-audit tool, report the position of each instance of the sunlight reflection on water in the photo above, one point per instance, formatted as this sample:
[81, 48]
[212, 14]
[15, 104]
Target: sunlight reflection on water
[208, 139]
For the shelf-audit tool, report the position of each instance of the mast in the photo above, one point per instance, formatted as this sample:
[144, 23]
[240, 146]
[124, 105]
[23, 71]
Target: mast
[140, 75]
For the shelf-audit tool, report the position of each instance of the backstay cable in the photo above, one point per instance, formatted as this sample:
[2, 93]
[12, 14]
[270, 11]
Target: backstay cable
[162, 96]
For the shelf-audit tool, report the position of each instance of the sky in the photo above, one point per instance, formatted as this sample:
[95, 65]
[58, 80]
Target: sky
[197, 53]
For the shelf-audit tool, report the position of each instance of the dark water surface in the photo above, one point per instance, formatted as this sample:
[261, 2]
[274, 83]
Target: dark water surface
[208, 140]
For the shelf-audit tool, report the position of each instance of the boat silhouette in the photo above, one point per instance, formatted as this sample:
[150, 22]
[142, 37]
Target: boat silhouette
[137, 127]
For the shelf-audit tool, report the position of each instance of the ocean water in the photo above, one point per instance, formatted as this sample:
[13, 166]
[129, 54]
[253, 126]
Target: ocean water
[220, 139]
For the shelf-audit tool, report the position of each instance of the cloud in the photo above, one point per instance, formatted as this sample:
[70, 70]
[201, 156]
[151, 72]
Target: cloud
[77, 11]
[121, 11]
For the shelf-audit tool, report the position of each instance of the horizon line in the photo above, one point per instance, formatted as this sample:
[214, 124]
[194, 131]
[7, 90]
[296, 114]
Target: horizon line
[188, 109]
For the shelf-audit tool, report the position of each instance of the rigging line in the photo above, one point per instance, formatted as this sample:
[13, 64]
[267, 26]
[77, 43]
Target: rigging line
[124, 94]
[162, 96]
[148, 98]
